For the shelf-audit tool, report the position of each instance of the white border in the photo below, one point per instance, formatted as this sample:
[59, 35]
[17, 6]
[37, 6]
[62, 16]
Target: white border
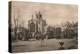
[4, 26]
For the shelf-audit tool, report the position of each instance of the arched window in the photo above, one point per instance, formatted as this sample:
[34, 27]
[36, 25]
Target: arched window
[32, 27]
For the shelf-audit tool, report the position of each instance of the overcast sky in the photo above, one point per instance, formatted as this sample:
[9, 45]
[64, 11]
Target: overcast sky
[54, 14]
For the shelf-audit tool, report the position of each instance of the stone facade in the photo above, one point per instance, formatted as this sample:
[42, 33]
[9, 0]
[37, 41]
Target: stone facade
[37, 25]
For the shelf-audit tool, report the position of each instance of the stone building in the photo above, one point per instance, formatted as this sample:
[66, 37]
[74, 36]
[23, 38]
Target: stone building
[37, 24]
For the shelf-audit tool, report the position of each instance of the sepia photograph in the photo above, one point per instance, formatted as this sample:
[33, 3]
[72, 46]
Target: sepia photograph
[35, 26]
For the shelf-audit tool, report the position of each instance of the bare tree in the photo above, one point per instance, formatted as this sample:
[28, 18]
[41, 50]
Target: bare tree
[16, 20]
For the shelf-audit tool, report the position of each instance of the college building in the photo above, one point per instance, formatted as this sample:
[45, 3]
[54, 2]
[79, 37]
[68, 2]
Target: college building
[37, 25]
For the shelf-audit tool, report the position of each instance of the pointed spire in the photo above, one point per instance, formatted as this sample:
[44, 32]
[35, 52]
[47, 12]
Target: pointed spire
[36, 15]
[40, 15]
[32, 17]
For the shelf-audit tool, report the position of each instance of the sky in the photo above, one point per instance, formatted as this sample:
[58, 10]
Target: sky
[54, 14]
